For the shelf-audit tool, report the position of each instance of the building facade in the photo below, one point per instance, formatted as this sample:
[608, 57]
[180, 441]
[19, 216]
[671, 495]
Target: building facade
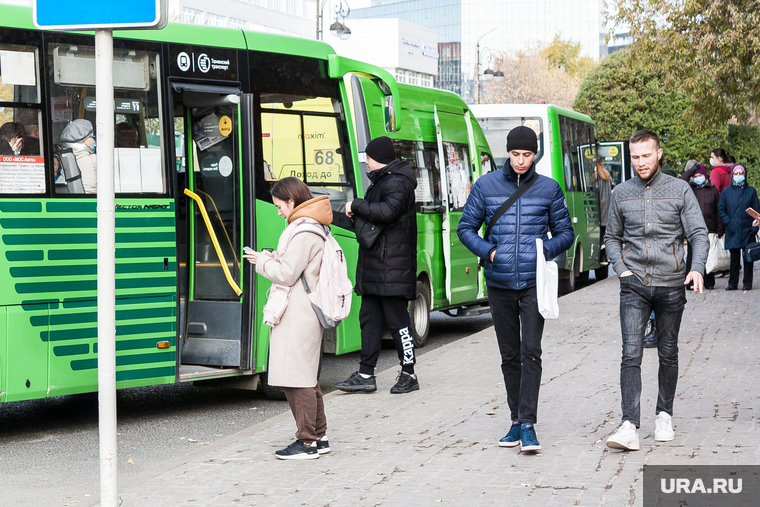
[408, 51]
[501, 26]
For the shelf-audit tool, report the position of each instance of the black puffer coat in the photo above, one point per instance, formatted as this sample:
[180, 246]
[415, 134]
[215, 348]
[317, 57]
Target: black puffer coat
[389, 268]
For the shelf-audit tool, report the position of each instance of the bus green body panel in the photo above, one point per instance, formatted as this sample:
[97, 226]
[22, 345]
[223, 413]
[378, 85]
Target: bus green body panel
[419, 125]
[582, 205]
[50, 253]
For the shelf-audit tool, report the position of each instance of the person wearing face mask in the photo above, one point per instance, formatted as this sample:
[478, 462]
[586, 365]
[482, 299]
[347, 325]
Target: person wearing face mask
[721, 164]
[740, 229]
[707, 197]
[12, 138]
[78, 135]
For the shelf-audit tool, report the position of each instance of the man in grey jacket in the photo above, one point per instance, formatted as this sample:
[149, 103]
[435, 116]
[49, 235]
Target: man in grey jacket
[648, 220]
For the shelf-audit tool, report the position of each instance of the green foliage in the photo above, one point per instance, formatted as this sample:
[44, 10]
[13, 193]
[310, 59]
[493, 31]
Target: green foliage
[624, 95]
[709, 48]
[743, 143]
[565, 55]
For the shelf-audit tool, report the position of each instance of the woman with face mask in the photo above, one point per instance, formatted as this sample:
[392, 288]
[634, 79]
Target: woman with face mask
[740, 230]
[707, 197]
[721, 163]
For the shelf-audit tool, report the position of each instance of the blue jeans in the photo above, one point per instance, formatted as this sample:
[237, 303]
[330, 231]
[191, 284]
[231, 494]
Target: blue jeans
[637, 301]
[520, 348]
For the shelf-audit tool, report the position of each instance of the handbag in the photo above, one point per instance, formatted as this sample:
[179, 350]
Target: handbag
[752, 251]
[547, 283]
[504, 207]
[718, 258]
[366, 232]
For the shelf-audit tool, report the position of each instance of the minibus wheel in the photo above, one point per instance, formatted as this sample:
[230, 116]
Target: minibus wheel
[419, 314]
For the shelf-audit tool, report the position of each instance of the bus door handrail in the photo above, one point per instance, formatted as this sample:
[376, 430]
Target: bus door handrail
[214, 240]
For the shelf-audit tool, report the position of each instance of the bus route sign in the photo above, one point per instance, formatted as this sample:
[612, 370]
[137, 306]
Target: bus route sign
[75, 15]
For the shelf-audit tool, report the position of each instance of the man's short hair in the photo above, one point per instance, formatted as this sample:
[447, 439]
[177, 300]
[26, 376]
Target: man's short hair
[644, 135]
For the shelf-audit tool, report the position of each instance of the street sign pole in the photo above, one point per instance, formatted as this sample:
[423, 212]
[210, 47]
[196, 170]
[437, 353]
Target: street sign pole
[104, 119]
[103, 17]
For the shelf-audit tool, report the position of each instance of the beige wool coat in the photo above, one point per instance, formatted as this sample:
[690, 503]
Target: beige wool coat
[295, 344]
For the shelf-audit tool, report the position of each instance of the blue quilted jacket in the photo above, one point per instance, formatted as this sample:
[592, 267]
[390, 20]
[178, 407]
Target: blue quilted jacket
[540, 209]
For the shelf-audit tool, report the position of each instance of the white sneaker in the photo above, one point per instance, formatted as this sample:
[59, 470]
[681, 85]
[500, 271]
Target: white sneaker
[663, 428]
[625, 438]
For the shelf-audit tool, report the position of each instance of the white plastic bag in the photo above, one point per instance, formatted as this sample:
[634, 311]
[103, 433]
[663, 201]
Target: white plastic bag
[547, 282]
[718, 259]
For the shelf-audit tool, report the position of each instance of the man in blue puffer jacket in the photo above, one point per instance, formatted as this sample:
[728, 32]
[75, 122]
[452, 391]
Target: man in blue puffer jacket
[510, 270]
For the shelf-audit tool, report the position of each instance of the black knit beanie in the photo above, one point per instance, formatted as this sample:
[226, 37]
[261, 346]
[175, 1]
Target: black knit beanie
[522, 138]
[381, 150]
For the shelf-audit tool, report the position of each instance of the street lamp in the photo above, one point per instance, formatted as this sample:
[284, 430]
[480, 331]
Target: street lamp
[477, 63]
[338, 29]
[489, 73]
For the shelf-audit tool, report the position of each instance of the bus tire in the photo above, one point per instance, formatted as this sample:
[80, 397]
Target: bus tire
[271, 392]
[602, 272]
[419, 315]
[567, 285]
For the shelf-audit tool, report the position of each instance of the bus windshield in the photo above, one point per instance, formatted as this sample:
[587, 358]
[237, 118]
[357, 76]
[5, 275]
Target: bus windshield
[496, 130]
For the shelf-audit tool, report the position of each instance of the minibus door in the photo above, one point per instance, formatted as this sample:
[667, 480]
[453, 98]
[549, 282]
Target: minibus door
[454, 155]
[218, 155]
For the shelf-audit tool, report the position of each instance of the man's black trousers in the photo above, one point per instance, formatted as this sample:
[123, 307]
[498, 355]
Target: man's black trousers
[519, 327]
[376, 313]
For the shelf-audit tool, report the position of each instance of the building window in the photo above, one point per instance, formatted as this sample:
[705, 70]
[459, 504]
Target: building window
[237, 23]
[190, 15]
[214, 19]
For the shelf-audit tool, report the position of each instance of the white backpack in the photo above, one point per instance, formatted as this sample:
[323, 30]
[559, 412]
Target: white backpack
[331, 299]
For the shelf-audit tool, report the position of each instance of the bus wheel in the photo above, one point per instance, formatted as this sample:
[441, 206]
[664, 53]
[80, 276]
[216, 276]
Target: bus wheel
[602, 272]
[567, 285]
[271, 392]
[419, 314]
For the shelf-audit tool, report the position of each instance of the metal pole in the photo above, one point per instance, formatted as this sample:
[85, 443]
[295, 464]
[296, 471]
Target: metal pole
[104, 119]
[477, 70]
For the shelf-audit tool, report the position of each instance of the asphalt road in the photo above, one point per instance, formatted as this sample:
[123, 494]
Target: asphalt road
[49, 448]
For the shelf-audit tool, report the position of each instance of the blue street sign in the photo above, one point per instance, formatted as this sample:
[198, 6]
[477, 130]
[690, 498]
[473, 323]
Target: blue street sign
[78, 15]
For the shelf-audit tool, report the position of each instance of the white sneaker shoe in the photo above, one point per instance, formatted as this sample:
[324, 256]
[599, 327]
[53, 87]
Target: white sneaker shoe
[625, 438]
[663, 428]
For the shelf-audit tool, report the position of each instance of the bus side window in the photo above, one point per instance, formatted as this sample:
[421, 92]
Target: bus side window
[138, 156]
[22, 167]
[486, 163]
[459, 174]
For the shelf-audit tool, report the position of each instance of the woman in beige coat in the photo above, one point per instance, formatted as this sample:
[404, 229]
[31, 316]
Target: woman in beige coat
[295, 340]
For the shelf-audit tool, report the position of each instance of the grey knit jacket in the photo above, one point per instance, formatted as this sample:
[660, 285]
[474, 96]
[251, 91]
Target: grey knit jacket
[646, 226]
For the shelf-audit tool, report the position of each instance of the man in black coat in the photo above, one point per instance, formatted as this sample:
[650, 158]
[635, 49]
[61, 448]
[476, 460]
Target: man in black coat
[386, 273]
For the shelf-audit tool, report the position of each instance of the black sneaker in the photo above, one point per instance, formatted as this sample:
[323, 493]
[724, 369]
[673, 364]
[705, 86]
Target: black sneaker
[357, 384]
[405, 383]
[323, 446]
[298, 450]
[746, 287]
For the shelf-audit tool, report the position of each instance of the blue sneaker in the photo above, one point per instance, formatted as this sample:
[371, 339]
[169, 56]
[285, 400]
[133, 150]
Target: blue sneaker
[513, 437]
[528, 438]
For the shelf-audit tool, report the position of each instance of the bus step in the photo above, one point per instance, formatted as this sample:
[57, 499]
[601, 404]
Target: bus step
[470, 311]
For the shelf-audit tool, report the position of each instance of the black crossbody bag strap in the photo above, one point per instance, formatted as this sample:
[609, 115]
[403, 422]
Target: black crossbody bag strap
[509, 202]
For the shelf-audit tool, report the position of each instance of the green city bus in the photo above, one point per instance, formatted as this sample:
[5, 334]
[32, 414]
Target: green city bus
[567, 148]
[206, 120]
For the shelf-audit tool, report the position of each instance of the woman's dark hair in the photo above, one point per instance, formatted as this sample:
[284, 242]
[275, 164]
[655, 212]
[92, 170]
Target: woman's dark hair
[292, 188]
[722, 154]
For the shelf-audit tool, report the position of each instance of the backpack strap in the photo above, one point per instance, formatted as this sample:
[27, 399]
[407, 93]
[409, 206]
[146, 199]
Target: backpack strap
[319, 230]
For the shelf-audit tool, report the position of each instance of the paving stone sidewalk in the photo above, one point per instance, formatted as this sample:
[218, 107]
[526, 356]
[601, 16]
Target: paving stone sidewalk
[439, 445]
